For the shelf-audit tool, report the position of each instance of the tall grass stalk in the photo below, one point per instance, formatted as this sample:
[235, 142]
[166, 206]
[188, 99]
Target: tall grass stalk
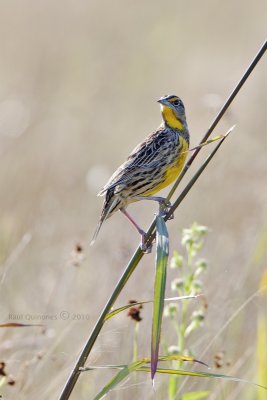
[137, 256]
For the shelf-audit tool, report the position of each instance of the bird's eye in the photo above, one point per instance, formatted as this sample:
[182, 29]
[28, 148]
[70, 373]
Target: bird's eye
[176, 102]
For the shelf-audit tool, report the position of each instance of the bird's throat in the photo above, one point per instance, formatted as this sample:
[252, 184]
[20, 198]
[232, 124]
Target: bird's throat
[170, 118]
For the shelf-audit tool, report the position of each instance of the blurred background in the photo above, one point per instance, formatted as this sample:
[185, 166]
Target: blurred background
[79, 81]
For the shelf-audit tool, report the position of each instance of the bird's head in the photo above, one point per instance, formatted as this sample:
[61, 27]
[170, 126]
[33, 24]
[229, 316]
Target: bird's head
[173, 111]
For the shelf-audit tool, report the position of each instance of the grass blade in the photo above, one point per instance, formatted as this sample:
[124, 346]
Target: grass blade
[174, 357]
[125, 371]
[139, 303]
[200, 375]
[162, 248]
[118, 378]
[138, 366]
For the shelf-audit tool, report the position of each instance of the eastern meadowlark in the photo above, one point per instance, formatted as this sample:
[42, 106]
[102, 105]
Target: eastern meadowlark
[152, 165]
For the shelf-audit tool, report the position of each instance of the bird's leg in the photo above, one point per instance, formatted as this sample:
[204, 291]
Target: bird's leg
[163, 205]
[161, 200]
[144, 247]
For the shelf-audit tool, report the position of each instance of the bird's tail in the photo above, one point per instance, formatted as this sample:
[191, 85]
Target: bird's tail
[97, 230]
[109, 207]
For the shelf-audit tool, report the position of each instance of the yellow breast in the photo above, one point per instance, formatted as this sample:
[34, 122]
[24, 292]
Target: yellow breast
[175, 169]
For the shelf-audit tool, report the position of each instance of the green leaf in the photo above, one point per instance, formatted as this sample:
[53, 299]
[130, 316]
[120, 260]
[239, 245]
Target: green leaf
[195, 395]
[162, 248]
[145, 360]
[200, 375]
[125, 370]
[123, 308]
[179, 357]
[138, 366]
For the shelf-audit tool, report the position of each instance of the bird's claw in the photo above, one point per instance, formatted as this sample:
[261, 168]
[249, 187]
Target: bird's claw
[164, 208]
[163, 203]
[168, 205]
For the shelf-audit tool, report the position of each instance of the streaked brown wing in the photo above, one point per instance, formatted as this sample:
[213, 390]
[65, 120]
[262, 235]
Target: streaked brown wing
[145, 157]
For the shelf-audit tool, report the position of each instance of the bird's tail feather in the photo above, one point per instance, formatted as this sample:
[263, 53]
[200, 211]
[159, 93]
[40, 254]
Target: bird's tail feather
[97, 230]
[106, 212]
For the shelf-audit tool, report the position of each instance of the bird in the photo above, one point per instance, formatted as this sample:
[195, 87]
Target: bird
[154, 164]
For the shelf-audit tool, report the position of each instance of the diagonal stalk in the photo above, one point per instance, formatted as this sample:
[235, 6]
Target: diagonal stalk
[137, 256]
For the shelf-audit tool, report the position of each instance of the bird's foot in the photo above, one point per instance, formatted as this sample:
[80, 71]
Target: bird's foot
[164, 208]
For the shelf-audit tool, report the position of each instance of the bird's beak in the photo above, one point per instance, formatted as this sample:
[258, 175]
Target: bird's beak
[163, 101]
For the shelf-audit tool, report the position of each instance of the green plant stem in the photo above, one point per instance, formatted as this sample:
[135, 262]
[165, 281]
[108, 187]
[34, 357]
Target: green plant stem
[137, 256]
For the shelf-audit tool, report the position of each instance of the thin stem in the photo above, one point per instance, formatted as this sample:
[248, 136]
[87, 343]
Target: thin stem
[122, 282]
[137, 256]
